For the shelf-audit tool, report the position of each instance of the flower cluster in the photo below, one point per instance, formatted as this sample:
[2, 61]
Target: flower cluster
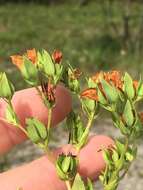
[113, 91]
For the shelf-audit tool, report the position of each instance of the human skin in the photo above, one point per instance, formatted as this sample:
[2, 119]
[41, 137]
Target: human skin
[41, 174]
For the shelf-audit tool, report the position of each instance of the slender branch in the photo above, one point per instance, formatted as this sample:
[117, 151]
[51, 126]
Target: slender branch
[49, 121]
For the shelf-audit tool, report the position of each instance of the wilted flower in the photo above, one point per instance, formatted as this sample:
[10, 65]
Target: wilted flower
[49, 91]
[18, 60]
[90, 93]
[112, 77]
[57, 56]
[76, 73]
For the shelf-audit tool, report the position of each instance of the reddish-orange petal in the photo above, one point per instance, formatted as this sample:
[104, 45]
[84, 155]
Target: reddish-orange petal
[57, 56]
[97, 77]
[17, 60]
[90, 93]
[32, 55]
[135, 84]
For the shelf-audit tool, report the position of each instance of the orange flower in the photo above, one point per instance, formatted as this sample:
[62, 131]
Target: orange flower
[32, 55]
[111, 77]
[115, 77]
[57, 56]
[90, 93]
[18, 59]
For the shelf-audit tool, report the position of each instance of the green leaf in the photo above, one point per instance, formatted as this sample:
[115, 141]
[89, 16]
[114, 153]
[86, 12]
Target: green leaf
[91, 83]
[88, 105]
[33, 134]
[107, 157]
[78, 184]
[128, 86]
[140, 90]
[66, 164]
[129, 156]
[115, 155]
[39, 126]
[11, 116]
[128, 114]
[110, 92]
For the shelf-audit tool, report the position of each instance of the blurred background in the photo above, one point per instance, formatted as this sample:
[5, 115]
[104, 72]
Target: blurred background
[92, 34]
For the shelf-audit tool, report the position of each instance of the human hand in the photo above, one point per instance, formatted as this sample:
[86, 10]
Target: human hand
[41, 174]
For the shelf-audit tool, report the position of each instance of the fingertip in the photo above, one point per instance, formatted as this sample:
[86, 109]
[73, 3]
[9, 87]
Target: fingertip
[91, 156]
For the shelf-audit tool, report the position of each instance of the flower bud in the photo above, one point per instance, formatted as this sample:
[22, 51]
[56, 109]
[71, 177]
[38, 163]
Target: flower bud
[45, 63]
[66, 166]
[57, 56]
[128, 115]
[6, 87]
[129, 86]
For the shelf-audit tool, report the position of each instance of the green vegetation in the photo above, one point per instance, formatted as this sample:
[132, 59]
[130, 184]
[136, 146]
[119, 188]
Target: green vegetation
[93, 37]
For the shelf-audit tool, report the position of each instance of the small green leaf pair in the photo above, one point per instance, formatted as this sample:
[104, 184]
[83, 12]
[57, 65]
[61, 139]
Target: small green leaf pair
[36, 130]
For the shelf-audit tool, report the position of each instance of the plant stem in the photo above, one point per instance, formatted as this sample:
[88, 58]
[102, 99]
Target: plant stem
[49, 121]
[68, 185]
[17, 126]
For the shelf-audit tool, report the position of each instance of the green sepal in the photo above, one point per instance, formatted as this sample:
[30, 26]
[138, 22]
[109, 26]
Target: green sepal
[75, 127]
[124, 130]
[29, 72]
[111, 185]
[128, 114]
[89, 185]
[101, 98]
[11, 116]
[115, 156]
[66, 167]
[91, 83]
[129, 157]
[45, 63]
[140, 90]
[89, 106]
[128, 86]
[107, 157]
[66, 164]
[6, 87]
[120, 147]
[58, 73]
[110, 92]
[78, 183]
